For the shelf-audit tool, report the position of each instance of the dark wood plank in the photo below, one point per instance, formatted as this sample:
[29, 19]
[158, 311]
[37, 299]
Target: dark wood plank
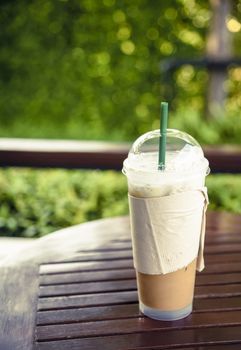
[127, 274]
[125, 251]
[85, 266]
[95, 154]
[211, 347]
[222, 268]
[18, 306]
[154, 339]
[133, 325]
[223, 222]
[111, 247]
[127, 261]
[211, 283]
[212, 238]
[52, 303]
[128, 311]
[89, 276]
[127, 255]
[217, 304]
[111, 298]
[217, 291]
[223, 248]
[222, 279]
[222, 160]
[224, 258]
[98, 256]
[121, 264]
[90, 314]
[83, 288]
[62, 154]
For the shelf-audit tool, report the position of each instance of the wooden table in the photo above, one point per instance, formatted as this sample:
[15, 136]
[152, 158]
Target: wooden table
[76, 289]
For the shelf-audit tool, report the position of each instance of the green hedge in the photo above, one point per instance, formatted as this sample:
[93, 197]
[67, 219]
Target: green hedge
[36, 202]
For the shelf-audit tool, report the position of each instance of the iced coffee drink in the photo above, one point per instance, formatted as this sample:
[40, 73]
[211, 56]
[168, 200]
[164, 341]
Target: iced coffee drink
[167, 214]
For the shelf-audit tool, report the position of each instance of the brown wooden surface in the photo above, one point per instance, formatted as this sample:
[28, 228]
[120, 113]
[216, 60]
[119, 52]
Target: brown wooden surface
[18, 303]
[62, 154]
[93, 155]
[76, 289]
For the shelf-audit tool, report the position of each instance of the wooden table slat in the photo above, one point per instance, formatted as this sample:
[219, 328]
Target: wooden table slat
[127, 255]
[215, 246]
[120, 297]
[133, 325]
[213, 238]
[85, 266]
[91, 276]
[95, 265]
[217, 304]
[122, 264]
[211, 347]
[129, 274]
[128, 285]
[222, 268]
[218, 258]
[222, 238]
[223, 248]
[94, 256]
[89, 314]
[110, 298]
[147, 340]
[85, 288]
[127, 311]
[222, 279]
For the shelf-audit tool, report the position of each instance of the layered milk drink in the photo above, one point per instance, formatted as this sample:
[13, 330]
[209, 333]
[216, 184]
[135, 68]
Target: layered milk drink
[167, 214]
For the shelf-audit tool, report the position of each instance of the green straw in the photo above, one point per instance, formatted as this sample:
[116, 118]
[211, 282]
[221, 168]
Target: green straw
[163, 133]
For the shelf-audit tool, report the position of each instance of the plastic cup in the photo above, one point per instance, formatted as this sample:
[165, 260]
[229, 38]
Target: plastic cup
[165, 296]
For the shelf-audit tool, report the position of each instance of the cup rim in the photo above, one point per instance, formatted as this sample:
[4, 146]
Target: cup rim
[204, 167]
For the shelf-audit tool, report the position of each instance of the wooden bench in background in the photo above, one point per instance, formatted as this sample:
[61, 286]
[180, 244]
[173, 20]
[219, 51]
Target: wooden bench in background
[93, 154]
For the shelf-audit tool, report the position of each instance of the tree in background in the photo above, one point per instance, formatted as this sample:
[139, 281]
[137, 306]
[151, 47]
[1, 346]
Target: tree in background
[219, 46]
[90, 69]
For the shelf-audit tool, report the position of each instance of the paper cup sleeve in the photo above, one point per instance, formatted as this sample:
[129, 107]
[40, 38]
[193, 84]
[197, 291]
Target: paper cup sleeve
[168, 232]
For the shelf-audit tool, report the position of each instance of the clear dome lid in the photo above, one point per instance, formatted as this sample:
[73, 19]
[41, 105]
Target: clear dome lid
[183, 154]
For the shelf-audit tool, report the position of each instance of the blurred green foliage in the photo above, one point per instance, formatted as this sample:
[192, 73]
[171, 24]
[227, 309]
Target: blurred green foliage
[224, 130]
[225, 192]
[35, 202]
[90, 69]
